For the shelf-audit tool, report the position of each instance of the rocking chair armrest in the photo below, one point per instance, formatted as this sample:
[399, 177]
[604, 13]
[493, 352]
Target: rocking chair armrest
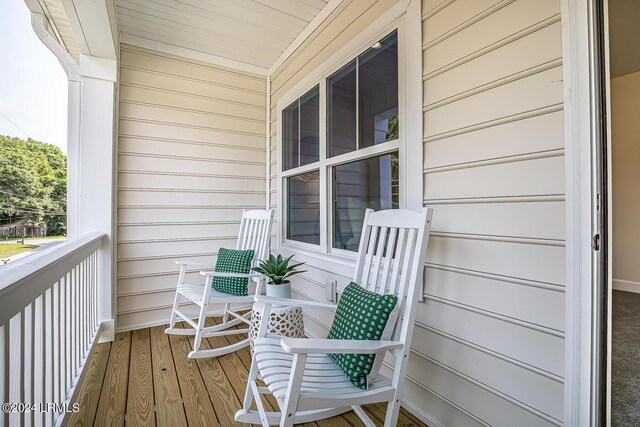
[261, 299]
[324, 346]
[211, 273]
[200, 265]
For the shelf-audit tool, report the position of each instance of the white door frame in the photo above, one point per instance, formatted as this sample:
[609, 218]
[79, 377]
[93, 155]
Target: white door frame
[581, 95]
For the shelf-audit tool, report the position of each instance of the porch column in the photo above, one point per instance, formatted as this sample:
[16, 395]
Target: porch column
[95, 165]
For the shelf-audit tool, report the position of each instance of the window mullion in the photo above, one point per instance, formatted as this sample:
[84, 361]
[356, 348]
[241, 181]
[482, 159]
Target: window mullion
[299, 130]
[325, 192]
[357, 98]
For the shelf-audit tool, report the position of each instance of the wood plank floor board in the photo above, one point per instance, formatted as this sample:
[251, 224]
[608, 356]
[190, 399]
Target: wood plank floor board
[221, 392]
[355, 421]
[179, 391]
[241, 370]
[194, 393]
[90, 390]
[169, 407]
[113, 396]
[140, 398]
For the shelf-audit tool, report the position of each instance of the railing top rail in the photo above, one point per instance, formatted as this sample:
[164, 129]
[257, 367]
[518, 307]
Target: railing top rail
[23, 282]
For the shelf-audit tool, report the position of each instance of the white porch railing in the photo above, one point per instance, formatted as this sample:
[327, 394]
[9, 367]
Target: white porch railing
[48, 327]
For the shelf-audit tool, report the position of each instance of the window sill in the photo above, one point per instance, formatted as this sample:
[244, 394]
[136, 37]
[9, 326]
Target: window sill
[342, 264]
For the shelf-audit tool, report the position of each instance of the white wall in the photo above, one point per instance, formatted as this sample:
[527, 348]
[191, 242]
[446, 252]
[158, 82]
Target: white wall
[492, 328]
[191, 156]
[625, 147]
[488, 348]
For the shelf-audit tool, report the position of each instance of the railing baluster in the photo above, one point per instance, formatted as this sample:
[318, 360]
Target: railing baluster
[85, 306]
[55, 325]
[49, 351]
[4, 375]
[34, 340]
[60, 349]
[63, 336]
[80, 313]
[67, 326]
[15, 366]
[38, 359]
[72, 326]
[23, 356]
[76, 314]
[26, 332]
[93, 291]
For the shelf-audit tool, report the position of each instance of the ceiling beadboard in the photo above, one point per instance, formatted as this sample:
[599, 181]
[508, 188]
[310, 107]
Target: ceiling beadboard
[251, 32]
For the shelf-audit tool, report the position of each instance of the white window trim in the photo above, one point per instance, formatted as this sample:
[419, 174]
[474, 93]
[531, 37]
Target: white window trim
[405, 18]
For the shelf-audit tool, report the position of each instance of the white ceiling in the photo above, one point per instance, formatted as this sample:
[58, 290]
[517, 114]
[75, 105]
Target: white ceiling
[248, 32]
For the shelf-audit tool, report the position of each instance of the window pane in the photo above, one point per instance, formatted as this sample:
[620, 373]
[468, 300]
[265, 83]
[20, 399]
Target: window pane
[303, 208]
[378, 92]
[341, 111]
[310, 127]
[290, 133]
[370, 183]
[301, 130]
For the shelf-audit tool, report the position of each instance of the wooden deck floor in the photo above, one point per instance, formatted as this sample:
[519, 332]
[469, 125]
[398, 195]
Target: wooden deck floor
[144, 378]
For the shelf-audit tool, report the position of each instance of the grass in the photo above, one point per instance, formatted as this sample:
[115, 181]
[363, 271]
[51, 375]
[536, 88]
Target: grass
[15, 239]
[7, 251]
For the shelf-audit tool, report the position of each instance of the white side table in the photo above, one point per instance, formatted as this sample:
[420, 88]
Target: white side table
[284, 320]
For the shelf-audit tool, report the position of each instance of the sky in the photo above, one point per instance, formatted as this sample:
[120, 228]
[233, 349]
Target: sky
[33, 85]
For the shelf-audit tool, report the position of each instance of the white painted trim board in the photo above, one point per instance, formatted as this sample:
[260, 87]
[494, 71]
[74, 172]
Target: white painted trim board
[626, 285]
[192, 54]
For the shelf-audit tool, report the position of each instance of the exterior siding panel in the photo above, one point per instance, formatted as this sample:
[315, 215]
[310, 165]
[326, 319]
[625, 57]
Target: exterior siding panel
[492, 326]
[191, 157]
[489, 339]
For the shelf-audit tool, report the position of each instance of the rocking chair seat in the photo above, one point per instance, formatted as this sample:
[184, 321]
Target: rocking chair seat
[194, 293]
[322, 378]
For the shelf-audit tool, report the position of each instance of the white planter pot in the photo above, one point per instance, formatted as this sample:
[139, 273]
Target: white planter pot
[279, 291]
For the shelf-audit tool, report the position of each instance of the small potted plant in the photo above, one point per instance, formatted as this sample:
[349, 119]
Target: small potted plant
[278, 270]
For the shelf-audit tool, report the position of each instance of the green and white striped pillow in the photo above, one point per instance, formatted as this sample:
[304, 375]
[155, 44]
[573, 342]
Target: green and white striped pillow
[233, 261]
[361, 315]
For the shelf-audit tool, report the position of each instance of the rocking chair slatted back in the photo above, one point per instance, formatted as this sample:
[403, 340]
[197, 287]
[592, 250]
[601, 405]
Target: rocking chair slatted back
[387, 259]
[255, 233]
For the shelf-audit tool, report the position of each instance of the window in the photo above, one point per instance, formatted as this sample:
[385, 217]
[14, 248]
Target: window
[303, 208]
[300, 130]
[362, 99]
[341, 150]
[368, 183]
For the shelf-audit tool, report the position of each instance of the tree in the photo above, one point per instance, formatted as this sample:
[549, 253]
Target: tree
[33, 183]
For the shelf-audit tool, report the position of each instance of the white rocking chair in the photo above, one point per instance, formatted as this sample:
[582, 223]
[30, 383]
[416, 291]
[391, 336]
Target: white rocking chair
[255, 233]
[298, 372]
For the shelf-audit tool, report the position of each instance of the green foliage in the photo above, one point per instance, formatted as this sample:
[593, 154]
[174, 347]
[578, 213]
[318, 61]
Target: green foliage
[392, 129]
[33, 183]
[277, 269]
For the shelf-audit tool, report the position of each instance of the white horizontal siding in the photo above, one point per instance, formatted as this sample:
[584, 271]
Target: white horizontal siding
[488, 347]
[191, 156]
[491, 332]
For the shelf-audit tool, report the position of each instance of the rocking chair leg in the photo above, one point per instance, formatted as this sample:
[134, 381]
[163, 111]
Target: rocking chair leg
[226, 313]
[393, 408]
[248, 394]
[201, 324]
[293, 390]
[176, 300]
[176, 304]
